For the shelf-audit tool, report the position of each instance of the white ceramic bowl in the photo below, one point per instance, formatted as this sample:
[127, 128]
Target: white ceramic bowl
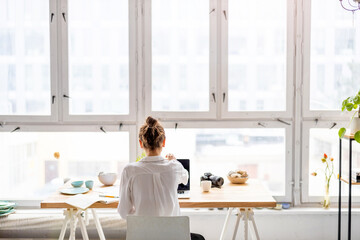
[107, 179]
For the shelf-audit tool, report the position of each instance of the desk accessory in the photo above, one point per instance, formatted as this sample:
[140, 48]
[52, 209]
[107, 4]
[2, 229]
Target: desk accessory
[107, 179]
[89, 184]
[238, 176]
[216, 181]
[205, 185]
[77, 184]
[73, 191]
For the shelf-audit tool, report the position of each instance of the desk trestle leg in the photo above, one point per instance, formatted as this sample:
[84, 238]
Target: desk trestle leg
[239, 215]
[226, 223]
[98, 225]
[72, 216]
[247, 215]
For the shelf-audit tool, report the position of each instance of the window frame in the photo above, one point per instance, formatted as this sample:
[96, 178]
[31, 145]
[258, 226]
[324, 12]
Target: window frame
[290, 68]
[64, 69]
[147, 54]
[131, 129]
[250, 124]
[53, 117]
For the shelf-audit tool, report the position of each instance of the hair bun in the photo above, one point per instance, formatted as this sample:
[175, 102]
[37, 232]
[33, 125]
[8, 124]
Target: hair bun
[150, 121]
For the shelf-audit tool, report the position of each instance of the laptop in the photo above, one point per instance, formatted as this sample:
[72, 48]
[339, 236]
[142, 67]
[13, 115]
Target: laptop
[184, 190]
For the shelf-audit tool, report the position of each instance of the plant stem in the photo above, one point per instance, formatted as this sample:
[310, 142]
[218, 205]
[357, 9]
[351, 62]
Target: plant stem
[353, 118]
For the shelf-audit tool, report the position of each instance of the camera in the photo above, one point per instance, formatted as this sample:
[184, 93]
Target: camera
[216, 181]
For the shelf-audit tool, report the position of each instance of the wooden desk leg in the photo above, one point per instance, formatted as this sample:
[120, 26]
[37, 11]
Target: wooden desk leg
[237, 223]
[65, 223]
[98, 225]
[226, 223]
[82, 226]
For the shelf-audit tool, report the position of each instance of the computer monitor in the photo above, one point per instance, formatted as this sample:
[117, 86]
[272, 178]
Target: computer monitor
[186, 165]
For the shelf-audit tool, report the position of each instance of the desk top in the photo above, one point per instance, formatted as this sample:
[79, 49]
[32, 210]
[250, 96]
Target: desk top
[250, 194]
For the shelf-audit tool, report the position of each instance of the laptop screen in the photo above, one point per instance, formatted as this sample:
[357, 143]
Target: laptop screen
[186, 165]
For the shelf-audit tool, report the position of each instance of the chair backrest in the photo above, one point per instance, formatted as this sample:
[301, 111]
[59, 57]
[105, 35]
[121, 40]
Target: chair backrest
[157, 228]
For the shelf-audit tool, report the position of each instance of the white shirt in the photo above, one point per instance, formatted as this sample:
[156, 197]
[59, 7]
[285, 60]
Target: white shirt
[149, 187]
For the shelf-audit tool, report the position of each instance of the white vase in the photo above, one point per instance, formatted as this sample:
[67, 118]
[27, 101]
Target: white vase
[355, 125]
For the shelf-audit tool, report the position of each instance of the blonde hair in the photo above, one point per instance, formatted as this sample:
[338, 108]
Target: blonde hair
[151, 133]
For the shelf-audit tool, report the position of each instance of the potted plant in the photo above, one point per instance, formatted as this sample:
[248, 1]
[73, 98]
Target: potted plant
[350, 104]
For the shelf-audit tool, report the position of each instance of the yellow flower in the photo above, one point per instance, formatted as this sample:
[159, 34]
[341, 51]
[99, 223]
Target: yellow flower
[314, 174]
[323, 160]
[57, 155]
[338, 176]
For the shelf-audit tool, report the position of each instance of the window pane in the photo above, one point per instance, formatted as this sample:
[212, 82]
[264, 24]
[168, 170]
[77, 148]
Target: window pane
[24, 57]
[180, 55]
[220, 150]
[99, 57]
[335, 56]
[257, 55]
[30, 171]
[327, 141]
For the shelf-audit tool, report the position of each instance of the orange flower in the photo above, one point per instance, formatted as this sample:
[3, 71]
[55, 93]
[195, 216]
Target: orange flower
[57, 155]
[323, 160]
[314, 174]
[331, 159]
[325, 156]
[338, 176]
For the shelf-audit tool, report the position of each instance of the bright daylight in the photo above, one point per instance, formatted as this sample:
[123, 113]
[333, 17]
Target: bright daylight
[179, 119]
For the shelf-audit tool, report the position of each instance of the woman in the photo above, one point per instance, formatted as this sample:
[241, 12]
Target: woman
[149, 187]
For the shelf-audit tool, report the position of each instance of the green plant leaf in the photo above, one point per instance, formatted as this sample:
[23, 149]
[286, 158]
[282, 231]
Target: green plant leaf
[355, 106]
[343, 108]
[344, 103]
[357, 99]
[342, 132]
[357, 136]
[349, 106]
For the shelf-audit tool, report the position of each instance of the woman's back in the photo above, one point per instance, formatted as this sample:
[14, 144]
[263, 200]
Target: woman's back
[150, 187]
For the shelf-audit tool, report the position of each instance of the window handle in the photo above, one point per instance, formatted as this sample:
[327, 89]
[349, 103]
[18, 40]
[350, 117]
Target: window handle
[212, 10]
[66, 96]
[52, 16]
[102, 129]
[225, 15]
[53, 99]
[63, 14]
[282, 121]
[334, 124]
[213, 94]
[224, 95]
[16, 129]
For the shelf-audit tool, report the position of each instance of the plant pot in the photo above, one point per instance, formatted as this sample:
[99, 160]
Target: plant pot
[355, 125]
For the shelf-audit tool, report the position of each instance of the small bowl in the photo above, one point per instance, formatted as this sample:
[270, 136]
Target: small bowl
[237, 180]
[77, 183]
[107, 179]
[89, 184]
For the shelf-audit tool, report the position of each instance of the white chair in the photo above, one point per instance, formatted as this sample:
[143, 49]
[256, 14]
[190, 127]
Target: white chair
[157, 228]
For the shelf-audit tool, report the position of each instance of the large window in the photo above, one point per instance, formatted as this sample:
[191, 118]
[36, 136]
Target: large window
[29, 169]
[24, 58]
[277, 69]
